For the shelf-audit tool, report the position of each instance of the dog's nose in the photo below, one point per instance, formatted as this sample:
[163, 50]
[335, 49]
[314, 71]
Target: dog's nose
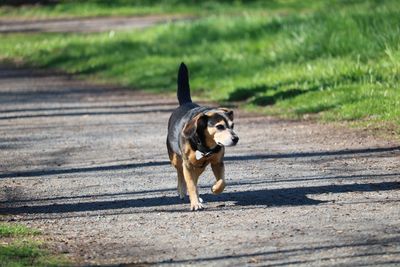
[235, 139]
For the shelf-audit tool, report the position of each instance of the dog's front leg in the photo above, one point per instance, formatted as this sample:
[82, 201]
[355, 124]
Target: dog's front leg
[219, 172]
[191, 177]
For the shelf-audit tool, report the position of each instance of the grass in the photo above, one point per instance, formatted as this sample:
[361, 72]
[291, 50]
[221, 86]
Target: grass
[17, 248]
[8, 230]
[90, 8]
[329, 60]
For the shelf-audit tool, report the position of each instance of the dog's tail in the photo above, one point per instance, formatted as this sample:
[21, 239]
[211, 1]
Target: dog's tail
[183, 85]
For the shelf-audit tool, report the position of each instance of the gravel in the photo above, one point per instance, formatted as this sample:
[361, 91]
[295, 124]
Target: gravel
[87, 165]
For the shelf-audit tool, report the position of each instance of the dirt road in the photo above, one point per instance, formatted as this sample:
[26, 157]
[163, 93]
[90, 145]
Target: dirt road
[83, 25]
[88, 166]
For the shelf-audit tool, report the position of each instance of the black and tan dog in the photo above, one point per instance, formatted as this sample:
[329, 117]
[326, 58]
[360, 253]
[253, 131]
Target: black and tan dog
[197, 137]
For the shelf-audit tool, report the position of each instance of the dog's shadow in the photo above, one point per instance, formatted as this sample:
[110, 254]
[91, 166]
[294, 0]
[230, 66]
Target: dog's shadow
[296, 196]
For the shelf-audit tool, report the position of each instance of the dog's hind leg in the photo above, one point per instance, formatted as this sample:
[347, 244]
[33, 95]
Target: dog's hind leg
[177, 163]
[219, 172]
[182, 191]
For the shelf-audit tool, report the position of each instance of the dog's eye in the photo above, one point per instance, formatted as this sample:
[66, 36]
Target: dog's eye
[220, 127]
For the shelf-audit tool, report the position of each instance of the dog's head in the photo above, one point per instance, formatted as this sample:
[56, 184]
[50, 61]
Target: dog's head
[213, 128]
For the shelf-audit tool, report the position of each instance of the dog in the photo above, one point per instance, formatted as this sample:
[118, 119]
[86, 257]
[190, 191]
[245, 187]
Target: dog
[197, 136]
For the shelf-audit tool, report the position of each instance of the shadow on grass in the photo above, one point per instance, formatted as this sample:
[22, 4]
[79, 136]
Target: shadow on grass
[282, 95]
[264, 95]
[137, 63]
[28, 2]
[257, 94]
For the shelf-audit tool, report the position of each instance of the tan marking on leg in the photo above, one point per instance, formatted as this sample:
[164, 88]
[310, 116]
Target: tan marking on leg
[219, 172]
[176, 161]
[182, 191]
[191, 175]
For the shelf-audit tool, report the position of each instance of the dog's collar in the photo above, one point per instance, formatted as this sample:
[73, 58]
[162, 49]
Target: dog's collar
[204, 152]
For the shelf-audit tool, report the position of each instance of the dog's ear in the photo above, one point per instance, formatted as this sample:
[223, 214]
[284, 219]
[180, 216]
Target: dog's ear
[199, 122]
[228, 113]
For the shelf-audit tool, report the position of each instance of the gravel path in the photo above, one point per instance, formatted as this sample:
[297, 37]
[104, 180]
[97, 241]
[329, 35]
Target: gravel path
[87, 164]
[83, 25]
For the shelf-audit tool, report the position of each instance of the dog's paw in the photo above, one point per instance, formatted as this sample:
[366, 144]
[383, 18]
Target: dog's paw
[196, 206]
[218, 187]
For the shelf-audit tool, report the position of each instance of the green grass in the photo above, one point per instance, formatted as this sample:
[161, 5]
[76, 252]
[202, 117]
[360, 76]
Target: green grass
[17, 248]
[90, 8]
[27, 254]
[8, 230]
[329, 60]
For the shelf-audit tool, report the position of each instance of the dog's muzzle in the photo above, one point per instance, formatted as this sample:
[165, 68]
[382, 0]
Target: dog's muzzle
[235, 140]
